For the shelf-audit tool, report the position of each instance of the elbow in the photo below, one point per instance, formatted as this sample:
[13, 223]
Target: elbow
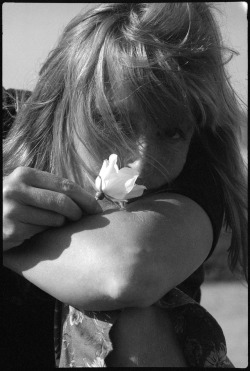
[138, 291]
[135, 281]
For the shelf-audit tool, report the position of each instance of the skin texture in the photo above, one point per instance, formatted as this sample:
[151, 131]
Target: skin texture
[144, 337]
[104, 261]
[133, 257]
[115, 249]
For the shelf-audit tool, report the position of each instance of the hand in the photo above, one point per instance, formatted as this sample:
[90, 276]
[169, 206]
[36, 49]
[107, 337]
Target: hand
[35, 200]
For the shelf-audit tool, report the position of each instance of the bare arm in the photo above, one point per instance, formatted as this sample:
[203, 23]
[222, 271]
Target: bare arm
[118, 258]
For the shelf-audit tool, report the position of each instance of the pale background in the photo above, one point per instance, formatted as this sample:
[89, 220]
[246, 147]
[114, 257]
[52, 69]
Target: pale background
[30, 31]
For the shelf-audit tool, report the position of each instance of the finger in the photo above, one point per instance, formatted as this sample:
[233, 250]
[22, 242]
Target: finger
[40, 217]
[53, 201]
[15, 235]
[30, 230]
[42, 179]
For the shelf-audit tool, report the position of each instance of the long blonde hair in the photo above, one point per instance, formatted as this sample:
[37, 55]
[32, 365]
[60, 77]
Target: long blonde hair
[170, 56]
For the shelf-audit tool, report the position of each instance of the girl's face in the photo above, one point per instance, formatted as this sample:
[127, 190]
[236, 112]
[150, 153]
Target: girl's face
[163, 146]
[163, 155]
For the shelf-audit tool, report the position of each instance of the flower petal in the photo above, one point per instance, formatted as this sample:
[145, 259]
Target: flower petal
[103, 169]
[137, 191]
[115, 188]
[109, 168]
[118, 184]
[129, 172]
[98, 183]
[129, 176]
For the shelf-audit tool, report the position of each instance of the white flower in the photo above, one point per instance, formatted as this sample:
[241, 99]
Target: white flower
[118, 185]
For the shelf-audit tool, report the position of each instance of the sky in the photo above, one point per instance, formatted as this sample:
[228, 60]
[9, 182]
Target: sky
[31, 30]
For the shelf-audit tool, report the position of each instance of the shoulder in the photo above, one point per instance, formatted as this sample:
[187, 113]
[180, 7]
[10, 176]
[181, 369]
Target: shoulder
[170, 236]
[175, 215]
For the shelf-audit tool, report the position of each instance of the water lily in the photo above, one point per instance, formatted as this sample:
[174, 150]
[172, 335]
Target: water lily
[117, 185]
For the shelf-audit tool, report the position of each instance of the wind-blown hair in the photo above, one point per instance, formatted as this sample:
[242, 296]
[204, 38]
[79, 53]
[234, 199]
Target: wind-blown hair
[170, 57]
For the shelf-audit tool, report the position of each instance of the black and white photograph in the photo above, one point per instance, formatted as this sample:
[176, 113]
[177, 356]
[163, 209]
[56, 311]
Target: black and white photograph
[125, 166]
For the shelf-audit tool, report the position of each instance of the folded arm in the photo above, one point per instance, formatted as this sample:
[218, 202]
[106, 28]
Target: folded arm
[119, 258]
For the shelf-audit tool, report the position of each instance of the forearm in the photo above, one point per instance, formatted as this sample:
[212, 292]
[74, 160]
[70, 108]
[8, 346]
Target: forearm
[72, 264]
[117, 259]
[90, 264]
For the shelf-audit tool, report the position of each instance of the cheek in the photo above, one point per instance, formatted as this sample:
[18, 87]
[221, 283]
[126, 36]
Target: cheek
[169, 160]
[175, 155]
[175, 160]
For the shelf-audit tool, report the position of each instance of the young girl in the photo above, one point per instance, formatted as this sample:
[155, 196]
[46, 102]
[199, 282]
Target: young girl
[144, 81]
